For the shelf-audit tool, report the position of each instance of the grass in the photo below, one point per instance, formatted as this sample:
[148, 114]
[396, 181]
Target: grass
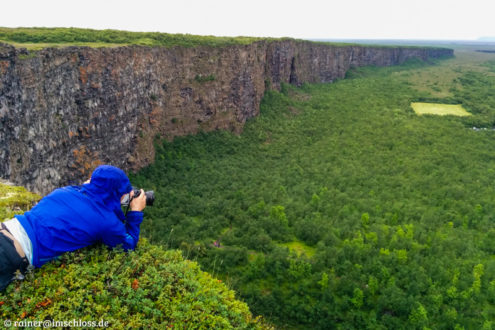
[439, 109]
[42, 45]
[441, 80]
[37, 38]
[300, 248]
[14, 200]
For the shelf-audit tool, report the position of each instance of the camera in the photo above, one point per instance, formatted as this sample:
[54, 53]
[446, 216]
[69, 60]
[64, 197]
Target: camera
[150, 197]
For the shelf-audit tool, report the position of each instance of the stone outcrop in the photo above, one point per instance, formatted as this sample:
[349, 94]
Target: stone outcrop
[63, 111]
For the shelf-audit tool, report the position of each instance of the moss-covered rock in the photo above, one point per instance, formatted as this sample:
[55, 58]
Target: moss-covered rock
[149, 288]
[15, 200]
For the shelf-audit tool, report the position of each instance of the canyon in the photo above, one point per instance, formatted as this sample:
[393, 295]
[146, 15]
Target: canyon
[65, 110]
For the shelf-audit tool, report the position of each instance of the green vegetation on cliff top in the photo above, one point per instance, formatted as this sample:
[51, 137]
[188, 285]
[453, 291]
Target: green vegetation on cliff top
[15, 200]
[149, 288]
[39, 38]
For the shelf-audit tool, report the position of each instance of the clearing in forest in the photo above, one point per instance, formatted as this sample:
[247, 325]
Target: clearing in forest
[439, 109]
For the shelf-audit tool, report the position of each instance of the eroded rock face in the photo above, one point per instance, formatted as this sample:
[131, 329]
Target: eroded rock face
[64, 111]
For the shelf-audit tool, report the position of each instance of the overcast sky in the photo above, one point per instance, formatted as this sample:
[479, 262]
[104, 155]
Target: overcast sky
[354, 19]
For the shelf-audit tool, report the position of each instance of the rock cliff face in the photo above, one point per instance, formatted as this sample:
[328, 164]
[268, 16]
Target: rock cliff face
[63, 111]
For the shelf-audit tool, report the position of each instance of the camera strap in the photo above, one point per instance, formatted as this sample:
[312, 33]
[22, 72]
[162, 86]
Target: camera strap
[128, 205]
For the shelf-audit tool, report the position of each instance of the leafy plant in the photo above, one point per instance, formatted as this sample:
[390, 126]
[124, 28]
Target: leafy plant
[200, 78]
[14, 200]
[396, 209]
[147, 288]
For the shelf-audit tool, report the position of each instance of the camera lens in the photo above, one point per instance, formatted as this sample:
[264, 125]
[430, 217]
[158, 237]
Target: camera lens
[150, 197]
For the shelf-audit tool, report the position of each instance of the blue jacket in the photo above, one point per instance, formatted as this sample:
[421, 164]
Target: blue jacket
[74, 217]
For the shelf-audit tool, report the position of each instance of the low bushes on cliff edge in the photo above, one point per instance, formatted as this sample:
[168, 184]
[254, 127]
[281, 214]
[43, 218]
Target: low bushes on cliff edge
[36, 38]
[146, 288]
[100, 38]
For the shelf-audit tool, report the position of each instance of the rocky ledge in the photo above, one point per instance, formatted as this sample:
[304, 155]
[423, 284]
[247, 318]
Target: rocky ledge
[65, 110]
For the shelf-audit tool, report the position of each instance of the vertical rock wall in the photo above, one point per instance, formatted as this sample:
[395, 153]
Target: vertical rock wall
[64, 111]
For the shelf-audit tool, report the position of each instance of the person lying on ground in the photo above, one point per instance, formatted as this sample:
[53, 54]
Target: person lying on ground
[71, 218]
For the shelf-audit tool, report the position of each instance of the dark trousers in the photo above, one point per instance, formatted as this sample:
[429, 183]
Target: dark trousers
[10, 260]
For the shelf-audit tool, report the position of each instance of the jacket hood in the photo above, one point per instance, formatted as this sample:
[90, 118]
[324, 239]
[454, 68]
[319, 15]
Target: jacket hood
[107, 185]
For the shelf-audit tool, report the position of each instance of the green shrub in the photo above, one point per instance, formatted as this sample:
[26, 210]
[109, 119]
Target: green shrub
[200, 78]
[15, 200]
[149, 288]
[76, 36]
[40, 37]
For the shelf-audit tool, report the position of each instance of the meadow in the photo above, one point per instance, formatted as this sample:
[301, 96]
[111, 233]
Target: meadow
[339, 207]
[37, 38]
[439, 109]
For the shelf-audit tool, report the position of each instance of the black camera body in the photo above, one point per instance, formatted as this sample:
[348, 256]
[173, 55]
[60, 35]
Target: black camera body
[150, 197]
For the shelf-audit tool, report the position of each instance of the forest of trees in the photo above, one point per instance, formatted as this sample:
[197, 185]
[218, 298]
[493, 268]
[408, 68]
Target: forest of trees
[393, 213]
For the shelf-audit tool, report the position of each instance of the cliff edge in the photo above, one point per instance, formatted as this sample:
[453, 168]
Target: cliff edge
[63, 111]
[149, 288]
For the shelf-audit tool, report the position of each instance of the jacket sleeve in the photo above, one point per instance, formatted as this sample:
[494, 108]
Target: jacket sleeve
[125, 235]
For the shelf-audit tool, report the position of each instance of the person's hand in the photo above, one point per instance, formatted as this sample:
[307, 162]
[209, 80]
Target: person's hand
[138, 203]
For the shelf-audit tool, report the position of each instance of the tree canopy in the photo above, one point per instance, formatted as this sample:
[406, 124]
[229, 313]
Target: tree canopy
[392, 213]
